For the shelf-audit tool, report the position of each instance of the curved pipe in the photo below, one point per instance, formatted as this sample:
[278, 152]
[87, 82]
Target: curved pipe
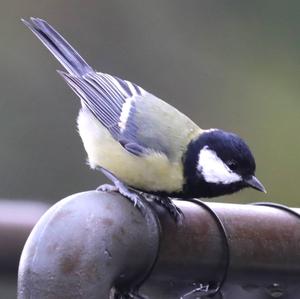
[86, 244]
[89, 242]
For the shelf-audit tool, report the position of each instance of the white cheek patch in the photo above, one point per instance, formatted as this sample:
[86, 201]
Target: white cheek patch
[125, 113]
[214, 170]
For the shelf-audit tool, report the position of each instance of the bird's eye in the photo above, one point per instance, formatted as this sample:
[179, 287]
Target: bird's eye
[232, 164]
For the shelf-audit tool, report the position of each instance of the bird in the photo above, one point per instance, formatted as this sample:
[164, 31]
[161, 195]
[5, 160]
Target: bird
[143, 144]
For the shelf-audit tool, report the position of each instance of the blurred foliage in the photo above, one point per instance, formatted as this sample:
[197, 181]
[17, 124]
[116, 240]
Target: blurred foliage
[232, 64]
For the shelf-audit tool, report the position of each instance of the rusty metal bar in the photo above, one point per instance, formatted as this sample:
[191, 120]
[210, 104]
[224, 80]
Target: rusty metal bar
[91, 242]
[264, 248]
[17, 218]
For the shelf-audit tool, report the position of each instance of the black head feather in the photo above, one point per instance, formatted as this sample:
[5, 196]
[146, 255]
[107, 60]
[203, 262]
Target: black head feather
[231, 149]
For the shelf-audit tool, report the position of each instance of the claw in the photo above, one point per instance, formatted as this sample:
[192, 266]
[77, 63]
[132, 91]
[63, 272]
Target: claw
[138, 197]
[107, 188]
[168, 204]
[120, 187]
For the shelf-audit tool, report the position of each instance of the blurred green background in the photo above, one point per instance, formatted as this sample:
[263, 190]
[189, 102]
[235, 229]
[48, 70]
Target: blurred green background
[232, 64]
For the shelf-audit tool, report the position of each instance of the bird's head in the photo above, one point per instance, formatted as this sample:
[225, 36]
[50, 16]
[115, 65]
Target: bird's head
[218, 163]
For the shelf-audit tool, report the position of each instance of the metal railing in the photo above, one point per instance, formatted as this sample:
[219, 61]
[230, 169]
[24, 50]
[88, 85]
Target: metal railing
[97, 245]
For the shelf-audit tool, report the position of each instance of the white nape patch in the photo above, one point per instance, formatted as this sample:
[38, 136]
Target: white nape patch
[125, 113]
[214, 170]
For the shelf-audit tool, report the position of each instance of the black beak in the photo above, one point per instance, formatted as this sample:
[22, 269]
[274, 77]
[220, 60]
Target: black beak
[254, 183]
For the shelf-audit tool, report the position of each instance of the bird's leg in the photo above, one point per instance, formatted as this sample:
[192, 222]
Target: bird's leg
[120, 187]
[107, 188]
[168, 204]
[137, 197]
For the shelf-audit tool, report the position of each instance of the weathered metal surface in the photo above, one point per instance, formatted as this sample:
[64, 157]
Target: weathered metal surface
[92, 241]
[264, 250]
[84, 245]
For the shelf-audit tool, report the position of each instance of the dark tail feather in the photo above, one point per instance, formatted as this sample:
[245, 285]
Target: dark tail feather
[58, 46]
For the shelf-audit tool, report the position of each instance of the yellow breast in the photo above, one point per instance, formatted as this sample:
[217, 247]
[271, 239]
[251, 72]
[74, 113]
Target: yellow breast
[152, 172]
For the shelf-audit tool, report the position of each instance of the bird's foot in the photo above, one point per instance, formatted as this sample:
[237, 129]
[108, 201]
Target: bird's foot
[168, 204]
[107, 188]
[138, 197]
[120, 187]
[133, 196]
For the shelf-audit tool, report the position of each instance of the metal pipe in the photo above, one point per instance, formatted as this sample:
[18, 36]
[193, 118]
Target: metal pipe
[93, 241]
[264, 249]
[86, 244]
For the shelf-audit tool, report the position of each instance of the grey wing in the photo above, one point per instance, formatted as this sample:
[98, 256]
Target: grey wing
[138, 120]
[114, 103]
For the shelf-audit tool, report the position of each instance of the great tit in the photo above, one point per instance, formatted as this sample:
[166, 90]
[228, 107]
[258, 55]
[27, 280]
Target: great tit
[141, 141]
